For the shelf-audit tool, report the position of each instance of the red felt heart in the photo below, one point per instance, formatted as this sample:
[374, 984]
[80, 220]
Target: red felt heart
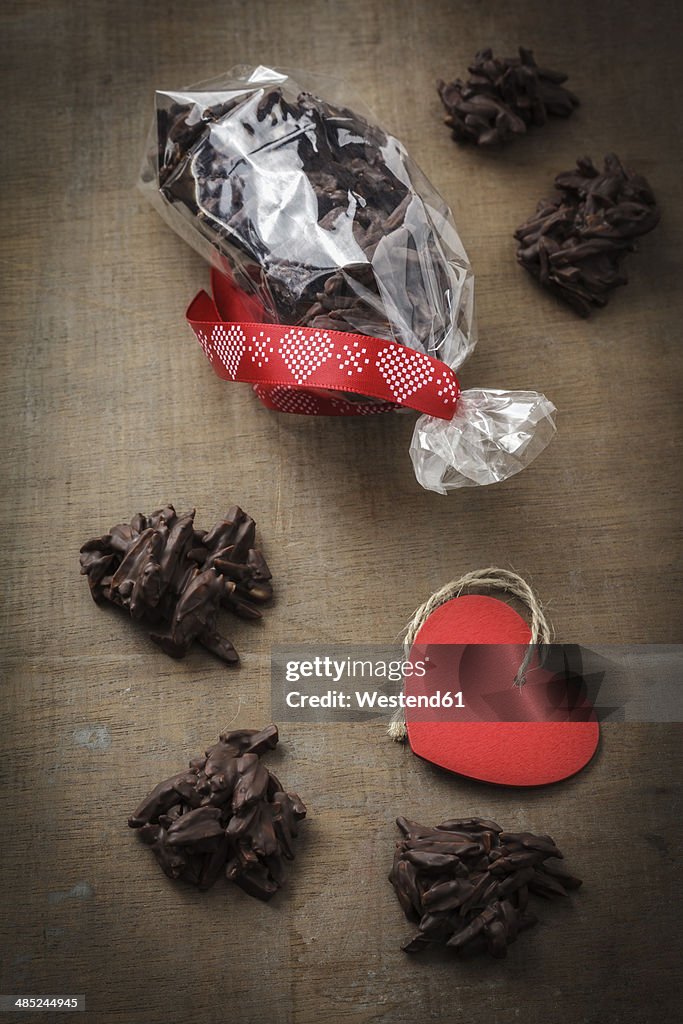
[531, 750]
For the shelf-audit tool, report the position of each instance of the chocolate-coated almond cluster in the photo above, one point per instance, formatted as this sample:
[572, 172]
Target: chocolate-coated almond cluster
[467, 882]
[227, 814]
[575, 243]
[503, 97]
[163, 571]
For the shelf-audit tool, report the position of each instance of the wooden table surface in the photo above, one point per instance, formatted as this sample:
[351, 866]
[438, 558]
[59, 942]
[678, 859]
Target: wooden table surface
[109, 407]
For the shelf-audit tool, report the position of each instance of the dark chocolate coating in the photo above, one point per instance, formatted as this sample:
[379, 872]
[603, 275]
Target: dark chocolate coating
[163, 571]
[226, 814]
[503, 97]
[466, 882]
[575, 243]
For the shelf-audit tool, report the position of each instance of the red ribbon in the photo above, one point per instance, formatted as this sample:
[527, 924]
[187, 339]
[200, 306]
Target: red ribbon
[305, 370]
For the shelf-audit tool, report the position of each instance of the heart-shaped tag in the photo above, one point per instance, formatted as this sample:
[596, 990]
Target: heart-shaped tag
[533, 750]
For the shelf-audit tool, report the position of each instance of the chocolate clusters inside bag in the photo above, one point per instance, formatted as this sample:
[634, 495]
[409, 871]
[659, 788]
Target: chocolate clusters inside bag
[227, 814]
[315, 210]
[323, 221]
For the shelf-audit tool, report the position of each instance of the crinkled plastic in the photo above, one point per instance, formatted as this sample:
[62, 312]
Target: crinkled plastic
[492, 436]
[324, 217]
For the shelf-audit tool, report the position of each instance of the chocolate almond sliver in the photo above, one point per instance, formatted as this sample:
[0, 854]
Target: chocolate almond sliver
[469, 825]
[192, 872]
[251, 784]
[455, 847]
[298, 806]
[476, 898]
[406, 882]
[412, 828]
[528, 841]
[239, 738]
[172, 861]
[257, 882]
[447, 895]
[510, 917]
[170, 646]
[188, 792]
[150, 833]
[220, 646]
[431, 861]
[436, 927]
[196, 825]
[415, 944]
[515, 881]
[159, 800]
[284, 825]
[274, 785]
[242, 822]
[264, 839]
[263, 741]
[461, 938]
[221, 758]
[102, 544]
[406, 904]
[545, 885]
[514, 861]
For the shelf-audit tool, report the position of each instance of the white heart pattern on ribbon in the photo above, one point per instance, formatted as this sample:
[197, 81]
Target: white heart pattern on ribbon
[229, 345]
[293, 401]
[404, 370]
[303, 356]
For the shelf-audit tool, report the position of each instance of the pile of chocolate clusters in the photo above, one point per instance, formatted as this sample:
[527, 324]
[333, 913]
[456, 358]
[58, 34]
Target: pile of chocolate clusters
[163, 571]
[227, 814]
[503, 97]
[467, 882]
[575, 243]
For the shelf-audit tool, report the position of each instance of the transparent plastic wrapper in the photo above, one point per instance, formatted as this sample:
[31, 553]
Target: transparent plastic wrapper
[322, 218]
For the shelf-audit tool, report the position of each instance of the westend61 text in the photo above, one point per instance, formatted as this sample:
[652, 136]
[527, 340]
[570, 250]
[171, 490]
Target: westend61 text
[371, 699]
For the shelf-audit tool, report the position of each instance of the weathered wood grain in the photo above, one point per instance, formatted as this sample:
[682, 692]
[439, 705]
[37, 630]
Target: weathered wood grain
[108, 407]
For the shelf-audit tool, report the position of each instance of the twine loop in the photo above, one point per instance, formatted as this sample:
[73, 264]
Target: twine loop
[490, 578]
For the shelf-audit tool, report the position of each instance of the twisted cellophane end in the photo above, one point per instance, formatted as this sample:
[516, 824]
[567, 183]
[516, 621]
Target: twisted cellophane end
[493, 435]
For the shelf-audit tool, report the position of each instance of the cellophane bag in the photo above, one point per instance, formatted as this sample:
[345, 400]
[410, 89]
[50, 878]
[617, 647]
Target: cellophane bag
[322, 216]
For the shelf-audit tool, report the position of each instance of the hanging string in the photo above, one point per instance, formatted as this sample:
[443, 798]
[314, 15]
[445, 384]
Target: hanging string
[490, 578]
